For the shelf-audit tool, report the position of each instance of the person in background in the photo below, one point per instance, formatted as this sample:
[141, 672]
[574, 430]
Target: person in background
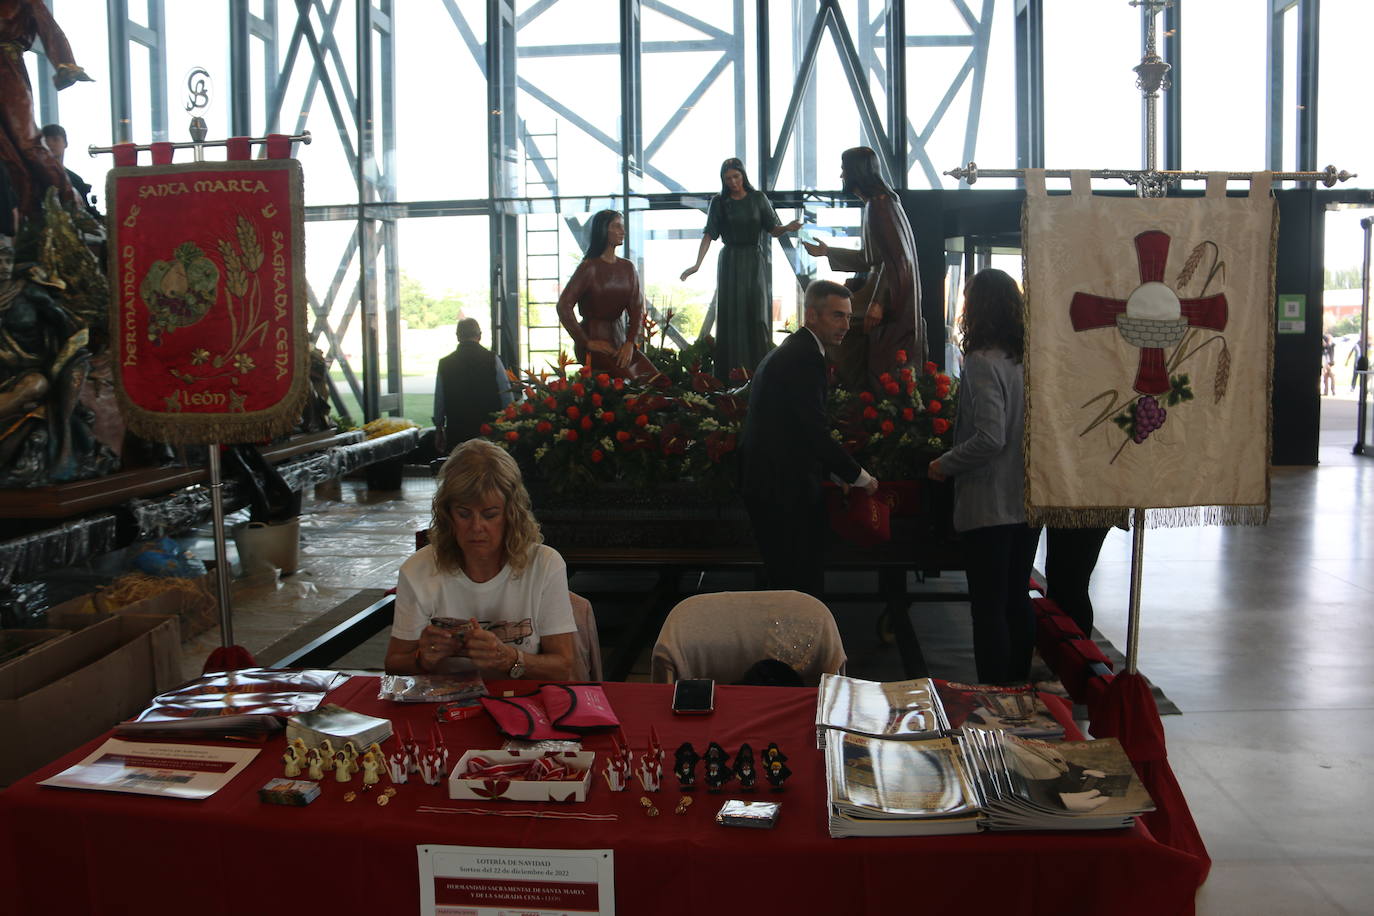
[55, 139]
[744, 219]
[1328, 365]
[486, 593]
[470, 386]
[787, 448]
[1070, 558]
[987, 465]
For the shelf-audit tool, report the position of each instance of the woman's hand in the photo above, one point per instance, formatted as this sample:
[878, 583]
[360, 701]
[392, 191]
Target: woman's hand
[816, 249]
[436, 644]
[873, 317]
[488, 652]
[601, 346]
[935, 472]
[689, 271]
[627, 351]
[792, 226]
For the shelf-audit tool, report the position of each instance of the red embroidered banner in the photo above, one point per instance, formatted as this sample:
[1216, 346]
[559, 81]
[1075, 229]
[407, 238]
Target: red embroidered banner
[207, 281]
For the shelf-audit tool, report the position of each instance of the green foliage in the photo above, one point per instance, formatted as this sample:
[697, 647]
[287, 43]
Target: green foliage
[1344, 278]
[1345, 326]
[1178, 391]
[421, 310]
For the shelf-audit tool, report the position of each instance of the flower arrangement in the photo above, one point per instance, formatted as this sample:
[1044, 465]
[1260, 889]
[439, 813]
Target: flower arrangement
[895, 433]
[575, 428]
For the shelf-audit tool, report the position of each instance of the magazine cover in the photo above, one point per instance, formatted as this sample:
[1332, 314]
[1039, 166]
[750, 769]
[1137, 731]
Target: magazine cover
[896, 709]
[1018, 710]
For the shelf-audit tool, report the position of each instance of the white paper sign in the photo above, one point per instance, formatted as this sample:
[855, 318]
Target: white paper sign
[173, 770]
[488, 881]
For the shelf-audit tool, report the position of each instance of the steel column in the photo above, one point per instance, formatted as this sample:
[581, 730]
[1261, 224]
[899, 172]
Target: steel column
[1030, 84]
[503, 145]
[1309, 41]
[1173, 96]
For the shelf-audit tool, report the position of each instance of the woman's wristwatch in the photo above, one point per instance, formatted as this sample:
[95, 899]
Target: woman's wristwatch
[517, 670]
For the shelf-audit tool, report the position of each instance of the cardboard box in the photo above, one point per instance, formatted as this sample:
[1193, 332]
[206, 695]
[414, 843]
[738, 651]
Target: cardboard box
[197, 609]
[15, 643]
[522, 789]
[73, 689]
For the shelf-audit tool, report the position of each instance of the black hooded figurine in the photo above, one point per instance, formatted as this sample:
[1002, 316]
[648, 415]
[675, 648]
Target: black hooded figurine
[717, 767]
[744, 767]
[685, 765]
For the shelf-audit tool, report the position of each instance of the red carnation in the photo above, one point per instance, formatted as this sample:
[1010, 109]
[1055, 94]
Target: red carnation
[603, 379]
[618, 384]
[510, 411]
[558, 385]
[642, 420]
[866, 397]
[885, 378]
[586, 422]
[901, 357]
[931, 368]
[570, 435]
[910, 388]
[596, 400]
[941, 378]
[551, 402]
[512, 436]
[485, 429]
[608, 417]
[622, 436]
[596, 455]
[573, 413]
[906, 373]
[586, 371]
[940, 426]
[892, 388]
[934, 406]
[887, 427]
[527, 407]
[543, 426]
[578, 389]
[870, 413]
[908, 414]
[942, 391]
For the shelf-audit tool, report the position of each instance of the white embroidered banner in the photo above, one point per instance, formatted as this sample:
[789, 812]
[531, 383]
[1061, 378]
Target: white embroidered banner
[1148, 355]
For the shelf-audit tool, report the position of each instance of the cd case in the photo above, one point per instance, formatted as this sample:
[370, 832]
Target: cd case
[736, 813]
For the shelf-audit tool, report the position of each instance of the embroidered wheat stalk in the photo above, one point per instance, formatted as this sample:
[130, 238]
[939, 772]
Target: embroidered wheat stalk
[1191, 265]
[1223, 373]
[248, 241]
[233, 267]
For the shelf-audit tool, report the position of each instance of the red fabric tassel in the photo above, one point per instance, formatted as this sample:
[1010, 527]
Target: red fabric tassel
[239, 149]
[278, 146]
[125, 154]
[162, 153]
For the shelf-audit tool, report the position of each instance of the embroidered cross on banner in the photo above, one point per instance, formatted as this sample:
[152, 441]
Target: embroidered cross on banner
[1153, 317]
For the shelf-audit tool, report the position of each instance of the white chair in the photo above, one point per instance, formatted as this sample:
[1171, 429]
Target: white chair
[722, 635]
[586, 641]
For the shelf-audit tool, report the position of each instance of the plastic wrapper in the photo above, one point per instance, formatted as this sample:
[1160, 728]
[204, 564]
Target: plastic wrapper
[65, 545]
[257, 691]
[736, 813]
[431, 688]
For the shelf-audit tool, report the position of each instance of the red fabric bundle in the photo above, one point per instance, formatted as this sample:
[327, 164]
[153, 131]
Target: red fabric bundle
[858, 517]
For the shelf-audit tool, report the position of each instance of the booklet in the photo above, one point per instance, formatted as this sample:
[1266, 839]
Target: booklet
[1018, 710]
[899, 788]
[171, 770]
[902, 710]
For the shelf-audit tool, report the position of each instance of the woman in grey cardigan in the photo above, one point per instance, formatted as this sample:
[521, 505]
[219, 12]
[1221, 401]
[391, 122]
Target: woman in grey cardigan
[989, 480]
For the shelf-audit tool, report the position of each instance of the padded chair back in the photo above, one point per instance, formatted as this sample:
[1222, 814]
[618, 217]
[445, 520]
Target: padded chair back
[586, 641]
[722, 635]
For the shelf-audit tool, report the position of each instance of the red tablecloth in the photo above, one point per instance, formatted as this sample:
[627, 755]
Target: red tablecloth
[64, 851]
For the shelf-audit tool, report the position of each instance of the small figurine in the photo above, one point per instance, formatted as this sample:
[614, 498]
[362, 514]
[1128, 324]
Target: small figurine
[775, 767]
[618, 764]
[651, 764]
[343, 772]
[351, 753]
[685, 765]
[396, 766]
[292, 760]
[314, 765]
[438, 746]
[327, 752]
[744, 767]
[412, 748]
[370, 765]
[300, 747]
[432, 765]
[717, 767]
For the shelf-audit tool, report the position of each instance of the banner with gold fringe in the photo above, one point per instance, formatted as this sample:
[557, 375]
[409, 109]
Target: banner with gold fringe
[1149, 350]
[208, 310]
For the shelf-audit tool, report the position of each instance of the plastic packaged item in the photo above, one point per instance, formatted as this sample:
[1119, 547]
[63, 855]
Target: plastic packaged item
[431, 688]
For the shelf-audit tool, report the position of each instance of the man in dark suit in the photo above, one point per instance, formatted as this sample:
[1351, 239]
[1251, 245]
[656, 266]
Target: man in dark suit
[787, 447]
[471, 385]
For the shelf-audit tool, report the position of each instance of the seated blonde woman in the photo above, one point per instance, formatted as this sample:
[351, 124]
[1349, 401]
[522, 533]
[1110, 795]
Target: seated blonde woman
[486, 566]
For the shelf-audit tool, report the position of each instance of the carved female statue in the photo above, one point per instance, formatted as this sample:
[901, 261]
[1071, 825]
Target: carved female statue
[605, 289]
[740, 216]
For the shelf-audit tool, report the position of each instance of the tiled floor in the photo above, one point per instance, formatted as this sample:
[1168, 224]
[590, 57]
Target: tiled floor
[1262, 636]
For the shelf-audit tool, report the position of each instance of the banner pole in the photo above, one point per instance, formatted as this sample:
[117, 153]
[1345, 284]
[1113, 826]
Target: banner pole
[226, 617]
[1133, 610]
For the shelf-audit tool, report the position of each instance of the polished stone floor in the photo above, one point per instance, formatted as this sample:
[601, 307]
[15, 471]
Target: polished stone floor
[1264, 638]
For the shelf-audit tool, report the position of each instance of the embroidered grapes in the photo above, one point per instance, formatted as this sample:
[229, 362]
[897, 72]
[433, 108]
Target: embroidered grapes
[1149, 416]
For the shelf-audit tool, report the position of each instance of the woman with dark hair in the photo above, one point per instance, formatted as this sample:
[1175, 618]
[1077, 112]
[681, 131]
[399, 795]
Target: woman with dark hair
[605, 289]
[486, 592]
[987, 464]
[890, 301]
[740, 216]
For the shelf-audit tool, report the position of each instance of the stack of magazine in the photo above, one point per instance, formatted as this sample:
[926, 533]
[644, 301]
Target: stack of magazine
[1018, 710]
[1054, 785]
[895, 768]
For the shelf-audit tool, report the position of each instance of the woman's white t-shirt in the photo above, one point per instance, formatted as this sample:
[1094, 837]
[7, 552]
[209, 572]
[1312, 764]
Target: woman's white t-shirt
[518, 609]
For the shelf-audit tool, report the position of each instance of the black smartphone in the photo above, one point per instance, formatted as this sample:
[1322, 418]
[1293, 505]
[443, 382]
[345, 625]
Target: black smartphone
[694, 696]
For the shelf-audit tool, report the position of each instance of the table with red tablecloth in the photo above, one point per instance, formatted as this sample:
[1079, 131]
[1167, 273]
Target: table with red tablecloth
[67, 851]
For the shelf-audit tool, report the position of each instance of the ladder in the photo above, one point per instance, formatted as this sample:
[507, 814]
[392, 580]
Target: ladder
[544, 336]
